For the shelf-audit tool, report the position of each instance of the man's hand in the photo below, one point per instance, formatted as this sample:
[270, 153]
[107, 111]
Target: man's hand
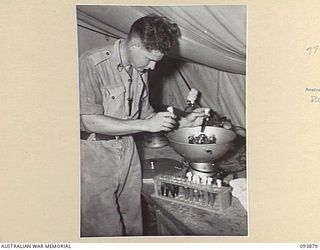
[162, 121]
[193, 119]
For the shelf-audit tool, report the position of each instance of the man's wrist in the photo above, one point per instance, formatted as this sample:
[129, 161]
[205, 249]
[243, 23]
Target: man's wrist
[145, 122]
[183, 122]
[143, 125]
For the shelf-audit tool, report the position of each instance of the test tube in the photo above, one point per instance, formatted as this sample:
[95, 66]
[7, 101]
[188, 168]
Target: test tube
[201, 196]
[219, 183]
[186, 192]
[206, 198]
[167, 189]
[196, 195]
[191, 192]
[213, 199]
[209, 181]
[175, 190]
[162, 188]
[181, 192]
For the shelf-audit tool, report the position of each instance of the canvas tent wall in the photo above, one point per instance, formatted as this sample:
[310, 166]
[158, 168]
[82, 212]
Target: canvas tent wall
[211, 55]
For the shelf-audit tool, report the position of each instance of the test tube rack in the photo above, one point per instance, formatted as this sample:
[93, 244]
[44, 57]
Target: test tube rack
[180, 190]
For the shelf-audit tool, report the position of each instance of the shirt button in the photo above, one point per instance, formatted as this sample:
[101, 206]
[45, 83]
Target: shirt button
[113, 97]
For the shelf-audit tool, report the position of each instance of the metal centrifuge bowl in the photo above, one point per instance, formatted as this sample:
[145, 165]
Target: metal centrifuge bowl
[178, 139]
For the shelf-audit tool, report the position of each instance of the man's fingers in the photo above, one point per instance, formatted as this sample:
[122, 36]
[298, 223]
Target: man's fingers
[167, 114]
[198, 114]
[168, 124]
[198, 121]
[168, 119]
[198, 110]
[167, 128]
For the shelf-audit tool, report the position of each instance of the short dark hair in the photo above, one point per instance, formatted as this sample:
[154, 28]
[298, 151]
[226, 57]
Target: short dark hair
[156, 32]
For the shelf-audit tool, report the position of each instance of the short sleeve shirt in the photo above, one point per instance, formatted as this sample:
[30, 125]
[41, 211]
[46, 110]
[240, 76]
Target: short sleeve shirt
[105, 86]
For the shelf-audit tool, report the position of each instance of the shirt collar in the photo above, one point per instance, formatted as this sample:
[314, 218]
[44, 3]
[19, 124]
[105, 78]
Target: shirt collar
[117, 56]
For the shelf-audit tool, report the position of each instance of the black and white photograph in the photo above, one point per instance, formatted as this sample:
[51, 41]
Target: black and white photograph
[162, 113]
[188, 123]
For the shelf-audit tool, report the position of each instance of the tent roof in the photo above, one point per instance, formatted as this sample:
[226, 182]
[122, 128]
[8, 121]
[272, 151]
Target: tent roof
[211, 35]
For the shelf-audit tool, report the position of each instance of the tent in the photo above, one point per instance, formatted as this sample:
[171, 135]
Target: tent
[210, 56]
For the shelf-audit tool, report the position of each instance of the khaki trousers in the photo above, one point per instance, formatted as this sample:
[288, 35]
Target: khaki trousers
[110, 188]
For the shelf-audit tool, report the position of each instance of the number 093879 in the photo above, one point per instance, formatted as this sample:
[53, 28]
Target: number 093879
[308, 246]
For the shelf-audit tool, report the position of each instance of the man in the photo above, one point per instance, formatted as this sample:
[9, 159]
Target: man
[114, 105]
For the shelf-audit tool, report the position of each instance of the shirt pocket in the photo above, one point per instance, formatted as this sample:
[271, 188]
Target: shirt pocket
[114, 101]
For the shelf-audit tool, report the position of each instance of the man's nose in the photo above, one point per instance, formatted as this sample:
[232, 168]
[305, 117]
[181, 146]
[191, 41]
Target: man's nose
[152, 65]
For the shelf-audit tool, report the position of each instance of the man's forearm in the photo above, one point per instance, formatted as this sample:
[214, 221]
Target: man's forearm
[113, 126]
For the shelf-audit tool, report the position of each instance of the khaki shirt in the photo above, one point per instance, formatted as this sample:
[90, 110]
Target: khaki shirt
[104, 87]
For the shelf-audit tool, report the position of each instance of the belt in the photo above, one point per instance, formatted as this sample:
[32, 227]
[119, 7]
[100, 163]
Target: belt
[99, 137]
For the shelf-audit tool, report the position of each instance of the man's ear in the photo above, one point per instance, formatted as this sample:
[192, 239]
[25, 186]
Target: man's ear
[134, 43]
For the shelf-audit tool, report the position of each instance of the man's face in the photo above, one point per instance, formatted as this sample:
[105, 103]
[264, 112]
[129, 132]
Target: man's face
[142, 59]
